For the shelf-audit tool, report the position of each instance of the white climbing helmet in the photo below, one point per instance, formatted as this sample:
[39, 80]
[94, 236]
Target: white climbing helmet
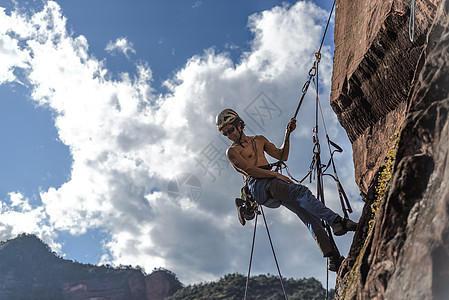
[226, 117]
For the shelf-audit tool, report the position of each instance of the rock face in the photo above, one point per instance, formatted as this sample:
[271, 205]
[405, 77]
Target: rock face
[382, 83]
[29, 270]
[374, 65]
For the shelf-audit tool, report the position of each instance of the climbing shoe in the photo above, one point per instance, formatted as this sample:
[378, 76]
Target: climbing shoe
[245, 211]
[342, 226]
[239, 205]
[334, 263]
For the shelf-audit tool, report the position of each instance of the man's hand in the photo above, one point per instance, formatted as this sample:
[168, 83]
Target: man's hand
[291, 125]
[283, 178]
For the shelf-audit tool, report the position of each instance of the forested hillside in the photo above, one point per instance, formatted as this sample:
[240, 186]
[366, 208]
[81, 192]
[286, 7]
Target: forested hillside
[261, 287]
[31, 270]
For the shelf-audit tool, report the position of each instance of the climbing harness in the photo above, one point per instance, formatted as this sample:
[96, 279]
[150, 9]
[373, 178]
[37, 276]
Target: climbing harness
[317, 169]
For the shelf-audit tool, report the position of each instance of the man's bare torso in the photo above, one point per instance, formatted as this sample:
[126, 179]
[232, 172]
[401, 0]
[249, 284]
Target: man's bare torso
[252, 150]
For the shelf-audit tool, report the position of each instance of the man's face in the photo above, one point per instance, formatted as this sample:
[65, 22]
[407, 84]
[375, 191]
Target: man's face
[231, 132]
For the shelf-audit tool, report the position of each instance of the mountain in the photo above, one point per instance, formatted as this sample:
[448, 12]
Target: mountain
[390, 91]
[232, 287]
[30, 270]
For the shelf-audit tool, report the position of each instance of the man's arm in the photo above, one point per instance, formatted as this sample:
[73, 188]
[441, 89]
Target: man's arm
[246, 169]
[281, 153]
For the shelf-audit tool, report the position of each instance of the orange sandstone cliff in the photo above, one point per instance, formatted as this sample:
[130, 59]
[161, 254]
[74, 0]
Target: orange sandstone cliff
[383, 83]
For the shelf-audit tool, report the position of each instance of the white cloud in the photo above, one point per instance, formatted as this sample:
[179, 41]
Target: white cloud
[11, 56]
[128, 142]
[197, 4]
[122, 45]
[19, 216]
[18, 200]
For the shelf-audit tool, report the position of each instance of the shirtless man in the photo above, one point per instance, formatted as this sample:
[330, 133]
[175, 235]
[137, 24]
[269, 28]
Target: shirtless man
[272, 189]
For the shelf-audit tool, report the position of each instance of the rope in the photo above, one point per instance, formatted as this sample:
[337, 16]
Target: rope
[274, 254]
[316, 162]
[320, 187]
[312, 73]
[327, 280]
[411, 24]
[327, 25]
[272, 249]
[344, 201]
[282, 165]
[251, 257]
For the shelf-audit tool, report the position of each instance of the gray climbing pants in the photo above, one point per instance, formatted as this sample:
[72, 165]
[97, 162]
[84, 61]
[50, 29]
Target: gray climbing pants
[299, 199]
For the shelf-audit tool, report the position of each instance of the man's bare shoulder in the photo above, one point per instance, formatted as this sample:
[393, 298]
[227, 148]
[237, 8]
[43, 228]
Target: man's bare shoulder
[260, 139]
[234, 148]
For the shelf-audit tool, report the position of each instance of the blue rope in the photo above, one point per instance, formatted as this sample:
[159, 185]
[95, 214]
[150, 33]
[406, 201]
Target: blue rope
[411, 24]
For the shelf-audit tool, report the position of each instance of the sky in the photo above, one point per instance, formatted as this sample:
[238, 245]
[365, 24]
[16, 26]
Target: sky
[110, 153]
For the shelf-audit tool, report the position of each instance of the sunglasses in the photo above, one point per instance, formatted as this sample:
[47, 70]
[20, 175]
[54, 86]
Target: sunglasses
[229, 131]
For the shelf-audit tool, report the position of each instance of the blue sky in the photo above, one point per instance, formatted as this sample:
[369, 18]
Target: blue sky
[105, 104]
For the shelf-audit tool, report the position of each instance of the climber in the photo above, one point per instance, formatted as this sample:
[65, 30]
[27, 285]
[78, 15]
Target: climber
[272, 189]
